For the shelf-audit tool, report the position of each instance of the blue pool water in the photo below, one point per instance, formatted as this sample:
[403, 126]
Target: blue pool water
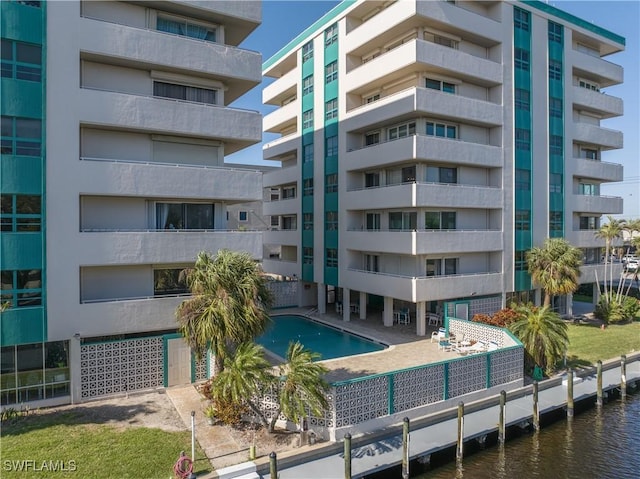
[327, 341]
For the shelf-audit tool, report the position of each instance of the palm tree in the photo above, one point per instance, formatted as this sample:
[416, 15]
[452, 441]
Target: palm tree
[229, 303]
[302, 386]
[609, 232]
[555, 267]
[543, 334]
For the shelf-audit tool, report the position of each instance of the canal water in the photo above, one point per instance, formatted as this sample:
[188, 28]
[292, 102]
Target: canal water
[595, 444]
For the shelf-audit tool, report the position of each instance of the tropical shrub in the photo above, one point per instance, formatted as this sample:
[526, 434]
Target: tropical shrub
[502, 318]
[617, 310]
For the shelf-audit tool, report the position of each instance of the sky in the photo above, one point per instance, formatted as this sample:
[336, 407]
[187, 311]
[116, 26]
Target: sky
[284, 20]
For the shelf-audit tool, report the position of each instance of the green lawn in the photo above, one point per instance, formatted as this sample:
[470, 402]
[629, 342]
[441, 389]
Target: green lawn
[588, 343]
[98, 451]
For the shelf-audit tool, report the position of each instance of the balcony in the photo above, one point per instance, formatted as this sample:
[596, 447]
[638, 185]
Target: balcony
[282, 118]
[288, 206]
[281, 267]
[606, 106]
[237, 128]
[414, 289]
[282, 237]
[592, 273]
[604, 205]
[160, 246]
[239, 69]
[282, 146]
[599, 170]
[163, 180]
[585, 239]
[601, 71]
[423, 242]
[442, 150]
[596, 135]
[281, 88]
[424, 194]
[281, 176]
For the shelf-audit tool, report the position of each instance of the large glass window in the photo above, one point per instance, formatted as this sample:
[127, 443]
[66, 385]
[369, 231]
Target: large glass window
[555, 183]
[20, 213]
[520, 260]
[521, 19]
[186, 93]
[331, 221]
[331, 146]
[433, 267]
[556, 145]
[21, 288]
[440, 85]
[331, 35]
[307, 85]
[440, 220]
[403, 220]
[21, 61]
[307, 255]
[188, 216]
[371, 180]
[170, 281]
[401, 131]
[521, 59]
[332, 258]
[589, 223]
[331, 72]
[289, 222]
[307, 221]
[441, 129]
[555, 222]
[21, 136]
[523, 180]
[523, 139]
[307, 153]
[555, 32]
[185, 28]
[439, 266]
[372, 138]
[523, 220]
[555, 70]
[307, 119]
[331, 183]
[331, 109]
[372, 263]
[307, 51]
[442, 175]
[373, 221]
[522, 99]
[307, 187]
[288, 192]
[589, 189]
[555, 107]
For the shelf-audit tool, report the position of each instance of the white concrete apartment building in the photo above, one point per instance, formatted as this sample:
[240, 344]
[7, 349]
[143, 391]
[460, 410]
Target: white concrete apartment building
[427, 145]
[133, 126]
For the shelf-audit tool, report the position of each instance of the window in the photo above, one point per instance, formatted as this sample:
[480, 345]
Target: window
[307, 51]
[555, 32]
[555, 107]
[243, 216]
[275, 222]
[187, 216]
[331, 109]
[331, 183]
[521, 59]
[331, 146]
[592, 255]
[331, 72]
[440, 85]
[523, 220]
[442, 175]
[523, 180]
[555, 183]
[307, 255]
[372, 263]
[433, 267]
[21, 136]
[371, 180]
[523, 139]
[274, 194]
[168, 282]
[589, 189]
[450, 266]
[29, 3]
[332, 258]
[186, 93]
[22, 288]
[288, 192]
[307, 119]
[589, 223]
[307, 187]
[307, 85]
[521, 19]
[409, 174]
[289, 223]
[522, 99]
[21, 61]
[372, 138]
[438, 266]
[520, 260]
[331, 221]
[590, 154]
[307, 221]
[441, 40]
[20, 213]
[589, 85]
[372, 98]
[373, 221]
[401, 131]
[555, 223]
[556, 145]
[307, 153]
[440, 220]
[555, 70]
[186, 29]
[442, 130]
[331, 35]
[402, 220]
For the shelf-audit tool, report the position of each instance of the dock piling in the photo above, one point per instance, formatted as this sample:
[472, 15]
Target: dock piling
[347, 456]
[459, 447]
[570, 393]
[623, 376]
[536, 410]
[599, 383]
[503, 406]
[273, 465]
[405, 448]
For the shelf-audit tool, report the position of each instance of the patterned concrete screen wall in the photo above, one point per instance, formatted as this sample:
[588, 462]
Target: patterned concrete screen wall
[121, 366]
[414, 388]
[285, 293]
[488, 305]
[507, 365]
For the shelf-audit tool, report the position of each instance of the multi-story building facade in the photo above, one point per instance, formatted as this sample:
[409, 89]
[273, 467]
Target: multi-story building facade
[426, 146]
[115, 126]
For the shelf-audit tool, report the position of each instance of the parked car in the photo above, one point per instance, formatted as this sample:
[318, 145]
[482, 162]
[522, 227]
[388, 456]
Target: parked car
[629, 257]
[632, 266]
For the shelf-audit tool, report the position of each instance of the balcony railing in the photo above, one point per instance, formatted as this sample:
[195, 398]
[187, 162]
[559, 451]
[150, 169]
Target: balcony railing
[416, 134]
[408, 276]
[171, 165]
[457, 185]
[159, 230]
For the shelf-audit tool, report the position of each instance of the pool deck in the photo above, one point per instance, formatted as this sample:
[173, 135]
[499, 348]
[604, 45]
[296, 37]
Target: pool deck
[406, 349]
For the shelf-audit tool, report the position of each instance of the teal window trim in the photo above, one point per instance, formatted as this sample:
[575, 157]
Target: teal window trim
[331, 35]
[390, 394]
[331, 109]
[521, 59]
[331, 72]
[21, 213]
[521, 19]
[21, 61]
[21, 136]
[307, 85]
[307, 51]
[307, 119]
[22, 288]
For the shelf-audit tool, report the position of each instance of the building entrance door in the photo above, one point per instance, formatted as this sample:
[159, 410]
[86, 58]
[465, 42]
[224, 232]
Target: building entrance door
[179, 364]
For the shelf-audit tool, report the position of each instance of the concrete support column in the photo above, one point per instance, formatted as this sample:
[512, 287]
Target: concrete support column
[74, 368]
[570, 304]
[538, 297]
[387, 314]
[346, 304]
[421, 318]
[363, 305]
[596, 293]
[322, 298]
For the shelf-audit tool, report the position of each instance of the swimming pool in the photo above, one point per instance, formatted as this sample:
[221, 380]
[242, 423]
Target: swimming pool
[329, 342]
